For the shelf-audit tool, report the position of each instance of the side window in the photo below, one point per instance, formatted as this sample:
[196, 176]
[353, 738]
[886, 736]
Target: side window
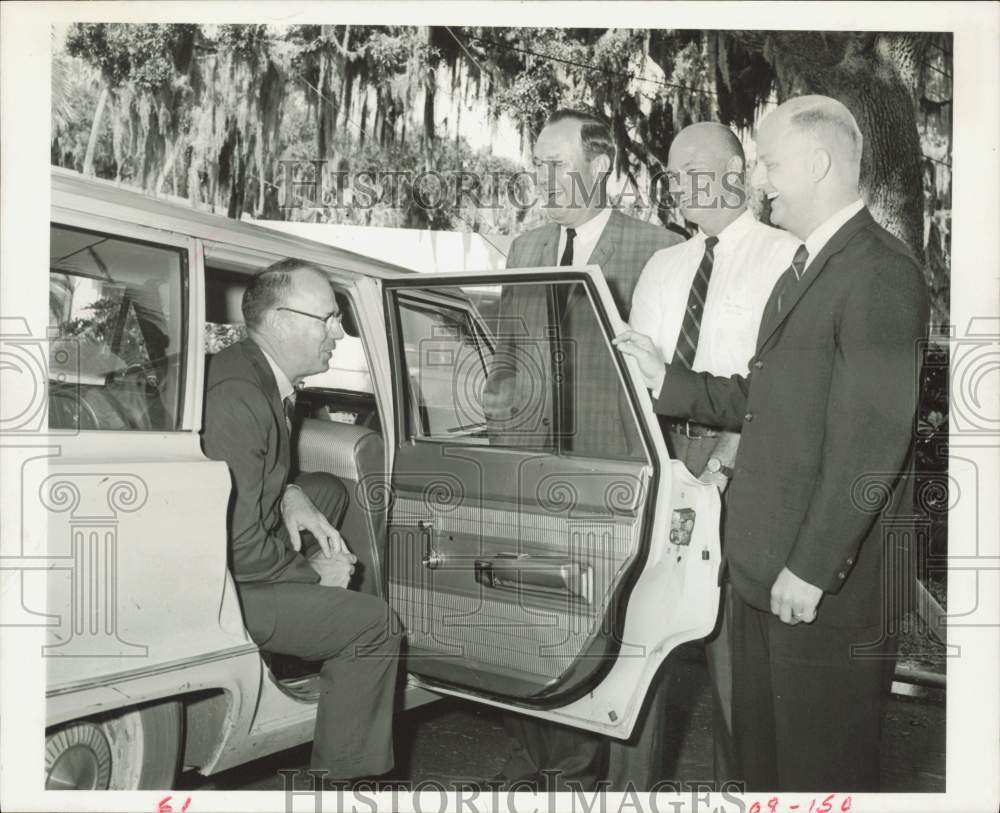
[537, 373]
[116, 306]
[344, 393]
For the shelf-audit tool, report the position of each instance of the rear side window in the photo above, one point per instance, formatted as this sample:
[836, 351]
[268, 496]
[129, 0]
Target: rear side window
[116, 310]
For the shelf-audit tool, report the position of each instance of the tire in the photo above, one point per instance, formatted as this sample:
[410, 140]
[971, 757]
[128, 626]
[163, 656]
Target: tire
[136, 749]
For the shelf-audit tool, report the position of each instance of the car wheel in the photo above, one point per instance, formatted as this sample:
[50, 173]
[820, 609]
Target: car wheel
[138, 749]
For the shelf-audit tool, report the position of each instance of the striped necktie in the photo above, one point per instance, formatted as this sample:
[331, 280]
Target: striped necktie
[687, 342]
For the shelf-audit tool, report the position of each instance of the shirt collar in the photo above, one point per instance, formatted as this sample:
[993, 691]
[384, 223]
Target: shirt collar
[285, 387]
[734, 231]
[824, 231]
[593, 227]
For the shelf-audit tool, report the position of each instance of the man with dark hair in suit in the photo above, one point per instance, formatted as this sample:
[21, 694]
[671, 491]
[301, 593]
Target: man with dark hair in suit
[828, 404]
[296, 604]
[573, 156]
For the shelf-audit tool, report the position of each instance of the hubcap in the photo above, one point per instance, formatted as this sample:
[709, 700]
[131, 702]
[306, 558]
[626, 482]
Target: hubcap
[77, 757]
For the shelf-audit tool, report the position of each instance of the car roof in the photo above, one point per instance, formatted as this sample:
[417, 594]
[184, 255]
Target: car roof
[71, 190]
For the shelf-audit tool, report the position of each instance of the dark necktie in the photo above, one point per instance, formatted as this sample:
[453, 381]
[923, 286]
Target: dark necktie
[563, 370]
[687, 342]
[567, 255]
[562, 289]
[792, 274]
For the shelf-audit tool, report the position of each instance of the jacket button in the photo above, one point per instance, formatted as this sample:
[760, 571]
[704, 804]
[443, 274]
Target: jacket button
[850, 561]
[758, 364]
[748, 417]
[841, 575]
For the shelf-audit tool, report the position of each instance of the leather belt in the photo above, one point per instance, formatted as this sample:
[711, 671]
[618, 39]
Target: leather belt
[691, 429]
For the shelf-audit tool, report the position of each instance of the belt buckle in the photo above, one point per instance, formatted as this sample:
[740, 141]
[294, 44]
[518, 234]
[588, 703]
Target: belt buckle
[687, 431]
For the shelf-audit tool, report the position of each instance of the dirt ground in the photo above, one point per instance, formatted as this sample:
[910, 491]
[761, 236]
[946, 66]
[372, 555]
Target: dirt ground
[453, 740]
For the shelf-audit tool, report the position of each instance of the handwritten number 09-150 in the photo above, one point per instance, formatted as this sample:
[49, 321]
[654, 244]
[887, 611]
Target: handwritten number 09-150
[826, 806]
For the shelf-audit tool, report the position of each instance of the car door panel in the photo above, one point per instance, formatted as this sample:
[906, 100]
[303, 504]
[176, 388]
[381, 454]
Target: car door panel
[674, 600]
[515, 583]
[549, 572]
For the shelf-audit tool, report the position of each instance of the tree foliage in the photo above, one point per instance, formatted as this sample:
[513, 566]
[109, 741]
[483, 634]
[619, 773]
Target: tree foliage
[209, 112]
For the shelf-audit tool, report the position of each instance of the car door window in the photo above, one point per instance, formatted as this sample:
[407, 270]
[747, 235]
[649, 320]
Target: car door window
[536, 373]
[116, 311]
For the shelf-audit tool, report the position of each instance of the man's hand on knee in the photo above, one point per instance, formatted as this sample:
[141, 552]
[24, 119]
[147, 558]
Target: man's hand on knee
[334, 570]
[299, 514]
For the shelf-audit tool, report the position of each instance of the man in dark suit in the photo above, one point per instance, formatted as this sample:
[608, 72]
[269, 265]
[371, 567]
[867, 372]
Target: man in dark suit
[701, 303]
[826, 412]
[298, 604]
[573, 156]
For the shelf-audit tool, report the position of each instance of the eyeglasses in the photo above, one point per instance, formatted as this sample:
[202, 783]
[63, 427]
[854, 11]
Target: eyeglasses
[331, 320]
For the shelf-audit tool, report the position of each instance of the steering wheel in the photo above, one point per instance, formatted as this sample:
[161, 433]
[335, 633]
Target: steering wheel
[71, 411]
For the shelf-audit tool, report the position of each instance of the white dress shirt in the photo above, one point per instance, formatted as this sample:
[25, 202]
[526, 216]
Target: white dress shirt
[585, 241]
[824, 231]
[749, 258]
[285, 387]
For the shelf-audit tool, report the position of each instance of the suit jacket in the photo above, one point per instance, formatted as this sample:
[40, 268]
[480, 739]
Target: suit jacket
[623, 249]
[522, 399]
[245, 426]
[827, 416]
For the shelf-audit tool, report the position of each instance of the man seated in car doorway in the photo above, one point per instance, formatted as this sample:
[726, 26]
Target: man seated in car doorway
[294, 598]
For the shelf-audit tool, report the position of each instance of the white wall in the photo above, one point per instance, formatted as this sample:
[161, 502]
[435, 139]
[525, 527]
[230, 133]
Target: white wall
[419, 249]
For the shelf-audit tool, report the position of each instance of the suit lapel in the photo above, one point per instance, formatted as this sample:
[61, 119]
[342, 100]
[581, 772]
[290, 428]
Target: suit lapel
[265, 378]
[610, 237]
[548, 247]
[603, 251]
[794, 292]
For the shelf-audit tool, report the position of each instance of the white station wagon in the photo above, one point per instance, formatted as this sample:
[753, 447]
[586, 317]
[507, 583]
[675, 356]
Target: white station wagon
[551, 577]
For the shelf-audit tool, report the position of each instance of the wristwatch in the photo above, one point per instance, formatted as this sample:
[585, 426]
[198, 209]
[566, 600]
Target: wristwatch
[715, 465]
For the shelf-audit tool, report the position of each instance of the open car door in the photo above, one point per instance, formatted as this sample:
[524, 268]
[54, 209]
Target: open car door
[544, 554]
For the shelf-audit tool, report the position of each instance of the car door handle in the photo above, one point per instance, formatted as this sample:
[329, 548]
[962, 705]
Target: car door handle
[548, 575]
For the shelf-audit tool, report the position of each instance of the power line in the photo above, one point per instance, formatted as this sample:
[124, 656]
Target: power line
[329, 101]
[935, 68]
[464, 49]
[592, 67]
[580, 65]
[941, 48]
[936, 160]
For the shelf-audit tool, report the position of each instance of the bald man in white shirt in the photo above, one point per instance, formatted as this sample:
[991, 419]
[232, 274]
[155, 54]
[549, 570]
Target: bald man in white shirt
[739, 260]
